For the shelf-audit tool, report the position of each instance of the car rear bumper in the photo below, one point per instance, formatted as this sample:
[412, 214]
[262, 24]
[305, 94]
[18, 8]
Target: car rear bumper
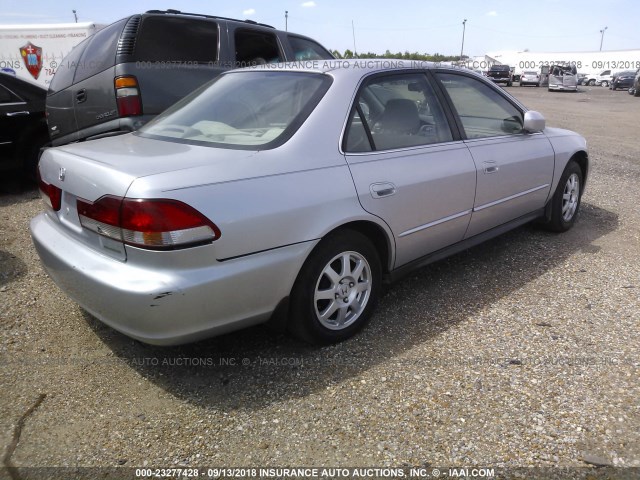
[563, 87]
[168, 305]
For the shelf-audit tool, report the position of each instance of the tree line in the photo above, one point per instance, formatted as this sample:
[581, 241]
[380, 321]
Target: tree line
[436, 57]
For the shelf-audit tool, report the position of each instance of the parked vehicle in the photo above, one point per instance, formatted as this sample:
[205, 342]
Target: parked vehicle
[296, 192]
[603, 78]
[23, 127]
[635, 88]
[530, 77]
[582, 78]
[33, 52]
[135, 68]
[501, 74]
[623, 80]
[563, 77]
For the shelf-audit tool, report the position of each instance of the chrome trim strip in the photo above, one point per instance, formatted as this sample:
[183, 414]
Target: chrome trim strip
[434, 223]
[511, 197]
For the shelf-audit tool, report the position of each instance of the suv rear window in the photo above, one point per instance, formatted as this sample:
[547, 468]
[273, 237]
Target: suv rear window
[170, 39]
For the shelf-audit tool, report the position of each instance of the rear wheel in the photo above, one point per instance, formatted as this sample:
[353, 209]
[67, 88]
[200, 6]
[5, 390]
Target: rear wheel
[604, 83]
[566, 199]
[336, 290]
[591, 83]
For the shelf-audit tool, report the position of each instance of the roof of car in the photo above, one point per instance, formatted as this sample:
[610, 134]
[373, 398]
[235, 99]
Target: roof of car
[358, 65]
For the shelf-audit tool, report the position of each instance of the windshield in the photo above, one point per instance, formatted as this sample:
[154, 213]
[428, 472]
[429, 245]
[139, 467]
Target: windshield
[242, 110]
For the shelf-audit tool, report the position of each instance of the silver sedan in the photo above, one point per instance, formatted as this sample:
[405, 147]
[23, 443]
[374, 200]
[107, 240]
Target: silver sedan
[293, 192]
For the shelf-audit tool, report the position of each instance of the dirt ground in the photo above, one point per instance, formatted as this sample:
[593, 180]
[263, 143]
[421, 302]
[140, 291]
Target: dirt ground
[522, 352]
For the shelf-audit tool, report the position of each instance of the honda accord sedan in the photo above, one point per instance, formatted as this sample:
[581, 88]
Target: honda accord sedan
[293, 192]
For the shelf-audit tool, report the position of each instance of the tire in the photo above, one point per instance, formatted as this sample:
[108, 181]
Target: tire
[336, 290]
[565, 203]
[604, 84]
[591, 82]
[636, 92]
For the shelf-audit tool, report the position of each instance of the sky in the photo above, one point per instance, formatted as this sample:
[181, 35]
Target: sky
[425, 26]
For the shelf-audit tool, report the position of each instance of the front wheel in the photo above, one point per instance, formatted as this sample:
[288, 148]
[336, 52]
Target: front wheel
[566, 199]
[604, 84]
[336, 290]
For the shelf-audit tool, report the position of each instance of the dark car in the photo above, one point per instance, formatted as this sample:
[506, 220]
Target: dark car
[623, 80]
[23, 127]
[130, 71]
[635, 88]
[501, 74]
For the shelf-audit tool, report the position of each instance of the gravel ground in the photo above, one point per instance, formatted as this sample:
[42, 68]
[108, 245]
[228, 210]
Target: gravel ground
[521, 352]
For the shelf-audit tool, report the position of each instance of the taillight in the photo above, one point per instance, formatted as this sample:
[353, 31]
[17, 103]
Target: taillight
[51, 194]
[160, 224]
[128, 96]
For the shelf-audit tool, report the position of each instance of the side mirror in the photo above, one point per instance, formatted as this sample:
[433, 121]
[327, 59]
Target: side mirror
[533, 122]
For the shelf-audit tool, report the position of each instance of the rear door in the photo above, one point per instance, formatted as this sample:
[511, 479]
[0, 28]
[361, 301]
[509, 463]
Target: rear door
[14, 118]
[61, 115]
[407, 167]
[514, 168]
[93, 89]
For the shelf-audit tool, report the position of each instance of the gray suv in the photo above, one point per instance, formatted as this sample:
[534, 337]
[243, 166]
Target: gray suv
[130, 71]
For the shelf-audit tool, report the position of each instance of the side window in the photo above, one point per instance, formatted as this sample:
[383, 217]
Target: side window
[254, 47]
[100, 54]
[305, 49]
[170, 39]
[6, 96]
[482, 110]
[398, 111]
[63, 77]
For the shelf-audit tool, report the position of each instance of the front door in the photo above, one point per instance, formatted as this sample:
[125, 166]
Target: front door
[515, 169]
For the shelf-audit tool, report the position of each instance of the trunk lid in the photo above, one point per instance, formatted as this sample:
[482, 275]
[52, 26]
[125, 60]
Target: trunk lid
[93, 169]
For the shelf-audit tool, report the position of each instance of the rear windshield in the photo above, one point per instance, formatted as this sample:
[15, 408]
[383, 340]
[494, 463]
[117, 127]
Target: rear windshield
[500, 68]
[242, 110]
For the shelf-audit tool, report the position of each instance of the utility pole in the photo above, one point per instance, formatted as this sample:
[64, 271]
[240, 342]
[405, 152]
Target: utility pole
[75, 15]
[286, 20]
[353, 31]
[464, 26]
[602, 36]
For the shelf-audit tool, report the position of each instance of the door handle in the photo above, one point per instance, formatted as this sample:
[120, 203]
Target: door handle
[15, 114]
[81, 96]
[490, 167]
[379, 190]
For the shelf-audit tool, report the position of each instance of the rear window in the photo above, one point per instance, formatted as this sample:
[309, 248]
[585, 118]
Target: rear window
[171, 39]
[500, 68]
[305, 49]
[242, 110]
[100, 54]
[254, 47]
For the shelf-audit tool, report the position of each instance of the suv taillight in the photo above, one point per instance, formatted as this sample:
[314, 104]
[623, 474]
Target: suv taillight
[156, 224]
[51, 194]
[128, 96]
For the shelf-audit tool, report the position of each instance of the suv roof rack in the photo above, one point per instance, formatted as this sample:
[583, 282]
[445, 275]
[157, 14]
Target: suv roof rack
[178, 12]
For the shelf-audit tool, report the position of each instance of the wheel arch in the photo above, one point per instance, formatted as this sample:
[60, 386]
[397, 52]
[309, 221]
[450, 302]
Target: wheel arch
[582, 159]
[377, 235]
